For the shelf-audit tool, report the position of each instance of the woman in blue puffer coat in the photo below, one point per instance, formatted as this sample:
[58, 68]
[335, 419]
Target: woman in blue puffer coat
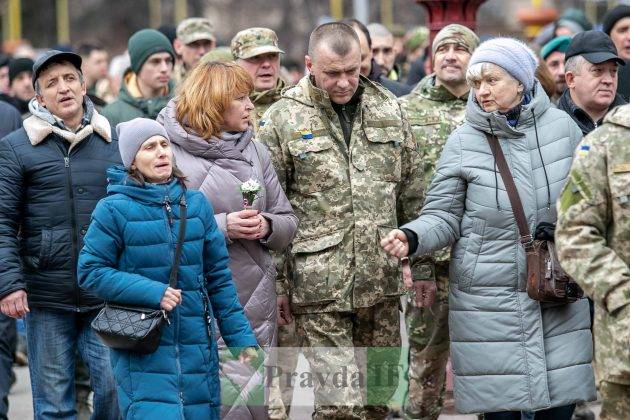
[127, 260]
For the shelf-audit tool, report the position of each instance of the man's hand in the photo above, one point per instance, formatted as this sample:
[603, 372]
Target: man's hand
[284, 310]
[423, 293]
[172, 298]
[245, 224]
[395, 243]
[15, 304]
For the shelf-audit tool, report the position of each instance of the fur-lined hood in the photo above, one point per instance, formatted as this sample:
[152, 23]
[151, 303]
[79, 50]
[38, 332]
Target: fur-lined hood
[42, 123]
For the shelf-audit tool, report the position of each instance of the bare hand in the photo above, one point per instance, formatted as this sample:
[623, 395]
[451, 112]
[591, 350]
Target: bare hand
[15, 304]
[172, 298]
[263, 227]
[395, 243]
[244, 224]
[284, 310]
[423, 293]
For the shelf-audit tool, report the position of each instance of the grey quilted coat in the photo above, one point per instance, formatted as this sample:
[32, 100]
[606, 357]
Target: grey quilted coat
[509, 352]
[217, 168]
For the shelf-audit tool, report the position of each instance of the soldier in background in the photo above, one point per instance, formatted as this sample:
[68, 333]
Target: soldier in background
[348, 163]
[593, 247]
[256, 50]
[194, 39]
[434, 109]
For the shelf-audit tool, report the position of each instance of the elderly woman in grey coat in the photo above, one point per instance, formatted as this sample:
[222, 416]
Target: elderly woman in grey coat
[209, 126]
[510, 353]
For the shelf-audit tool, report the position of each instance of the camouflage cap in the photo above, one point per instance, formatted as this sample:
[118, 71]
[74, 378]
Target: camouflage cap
[417, 37]
[254, 41]
[218, 55]
[193, 29]
[455, 34]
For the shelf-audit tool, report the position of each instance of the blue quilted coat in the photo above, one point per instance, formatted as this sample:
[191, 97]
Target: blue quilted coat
[127, 259]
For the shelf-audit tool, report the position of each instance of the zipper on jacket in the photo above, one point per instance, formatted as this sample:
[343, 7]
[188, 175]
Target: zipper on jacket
[73, 224]
[169, 211]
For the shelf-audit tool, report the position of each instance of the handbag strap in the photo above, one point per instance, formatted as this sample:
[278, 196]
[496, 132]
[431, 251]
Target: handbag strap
[172, 280]
[515, 200]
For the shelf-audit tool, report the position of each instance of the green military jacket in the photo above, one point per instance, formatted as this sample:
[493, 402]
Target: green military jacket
[433, 113]
[128, 107]
[593, 237]
[263, 100]
[347, 197]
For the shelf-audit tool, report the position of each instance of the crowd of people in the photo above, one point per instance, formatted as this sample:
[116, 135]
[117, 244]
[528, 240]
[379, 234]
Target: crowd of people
[265, 214]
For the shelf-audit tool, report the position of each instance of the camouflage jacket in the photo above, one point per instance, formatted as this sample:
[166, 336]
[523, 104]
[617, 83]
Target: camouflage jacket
[179, 74]
[433, 113]
[346, 197]
[593, 234]
[263, 100]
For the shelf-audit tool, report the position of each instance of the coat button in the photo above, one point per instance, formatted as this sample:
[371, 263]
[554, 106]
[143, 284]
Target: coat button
[80, 190]
[83, 231]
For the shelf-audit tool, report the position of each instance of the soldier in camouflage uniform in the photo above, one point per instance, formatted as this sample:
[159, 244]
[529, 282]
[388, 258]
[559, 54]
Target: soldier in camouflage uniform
[593, 244]
[348, 163]
[194, 40]
[434, 109]
[256, 50]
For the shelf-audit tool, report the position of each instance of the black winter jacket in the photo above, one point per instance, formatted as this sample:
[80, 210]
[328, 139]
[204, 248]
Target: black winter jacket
[47, 193]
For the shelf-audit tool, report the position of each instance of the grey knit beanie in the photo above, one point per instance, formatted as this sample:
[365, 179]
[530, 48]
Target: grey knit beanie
[511, 55]
[131, 135]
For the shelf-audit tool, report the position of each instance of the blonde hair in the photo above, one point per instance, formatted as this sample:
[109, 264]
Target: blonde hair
[206, 94]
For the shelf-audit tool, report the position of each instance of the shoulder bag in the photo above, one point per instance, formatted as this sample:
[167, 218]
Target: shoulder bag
[546, 280]
[138, 329]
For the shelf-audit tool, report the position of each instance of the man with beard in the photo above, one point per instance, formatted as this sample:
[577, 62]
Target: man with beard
[434, 109]
[20, 85]
[553, 55]
[591, 63]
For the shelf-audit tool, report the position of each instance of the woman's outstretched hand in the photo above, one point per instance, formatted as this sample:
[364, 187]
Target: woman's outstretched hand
[172, 298]
[395, 243]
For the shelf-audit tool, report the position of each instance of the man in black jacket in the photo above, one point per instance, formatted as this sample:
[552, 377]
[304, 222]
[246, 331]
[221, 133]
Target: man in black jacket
[369, 66]
[52, 174]
[590, 70]
[10, 120]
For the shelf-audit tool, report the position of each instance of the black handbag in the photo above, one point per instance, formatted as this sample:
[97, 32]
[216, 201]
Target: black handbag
[138, 329]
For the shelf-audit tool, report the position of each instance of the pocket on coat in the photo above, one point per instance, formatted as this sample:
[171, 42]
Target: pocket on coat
[314, 164]
[382, 159]
[55, 249]
[316, 275]
[471, 255]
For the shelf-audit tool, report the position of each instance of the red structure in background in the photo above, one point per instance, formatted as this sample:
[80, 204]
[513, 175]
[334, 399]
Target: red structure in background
[441, 13]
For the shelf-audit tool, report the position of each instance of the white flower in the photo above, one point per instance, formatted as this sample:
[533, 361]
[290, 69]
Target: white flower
[250, 186]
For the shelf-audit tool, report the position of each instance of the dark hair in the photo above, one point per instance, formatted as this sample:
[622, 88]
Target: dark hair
[360, 26]
[339, 37]
[84, 50]
[137, 176]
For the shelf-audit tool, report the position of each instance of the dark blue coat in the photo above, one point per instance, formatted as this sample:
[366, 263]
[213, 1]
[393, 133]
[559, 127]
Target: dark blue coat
[127, 259]
[48, 191]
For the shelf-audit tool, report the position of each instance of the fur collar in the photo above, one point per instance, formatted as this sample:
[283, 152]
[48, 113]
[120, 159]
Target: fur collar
[37, 130]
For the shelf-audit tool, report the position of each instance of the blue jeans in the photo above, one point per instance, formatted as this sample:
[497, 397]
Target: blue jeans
[7, 348]
[556, 413]
[53, 338]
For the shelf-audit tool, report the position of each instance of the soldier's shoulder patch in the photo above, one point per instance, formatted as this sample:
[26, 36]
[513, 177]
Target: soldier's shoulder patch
[584, 149]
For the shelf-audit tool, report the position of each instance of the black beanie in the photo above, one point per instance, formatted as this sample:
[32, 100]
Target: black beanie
[19, 65]
[613, 16]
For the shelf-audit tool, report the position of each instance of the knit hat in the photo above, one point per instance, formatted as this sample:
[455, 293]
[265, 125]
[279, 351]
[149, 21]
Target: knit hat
[131, 135]
[455, 34]
[18, 66]
[511, 55]
[614, 15]
[145, 43]
[575, 16]
[560, 44]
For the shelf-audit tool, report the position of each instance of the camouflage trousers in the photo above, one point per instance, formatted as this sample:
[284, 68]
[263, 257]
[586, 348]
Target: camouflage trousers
[428, 352]
[355, 355]
[281, 391]
[615, 401]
